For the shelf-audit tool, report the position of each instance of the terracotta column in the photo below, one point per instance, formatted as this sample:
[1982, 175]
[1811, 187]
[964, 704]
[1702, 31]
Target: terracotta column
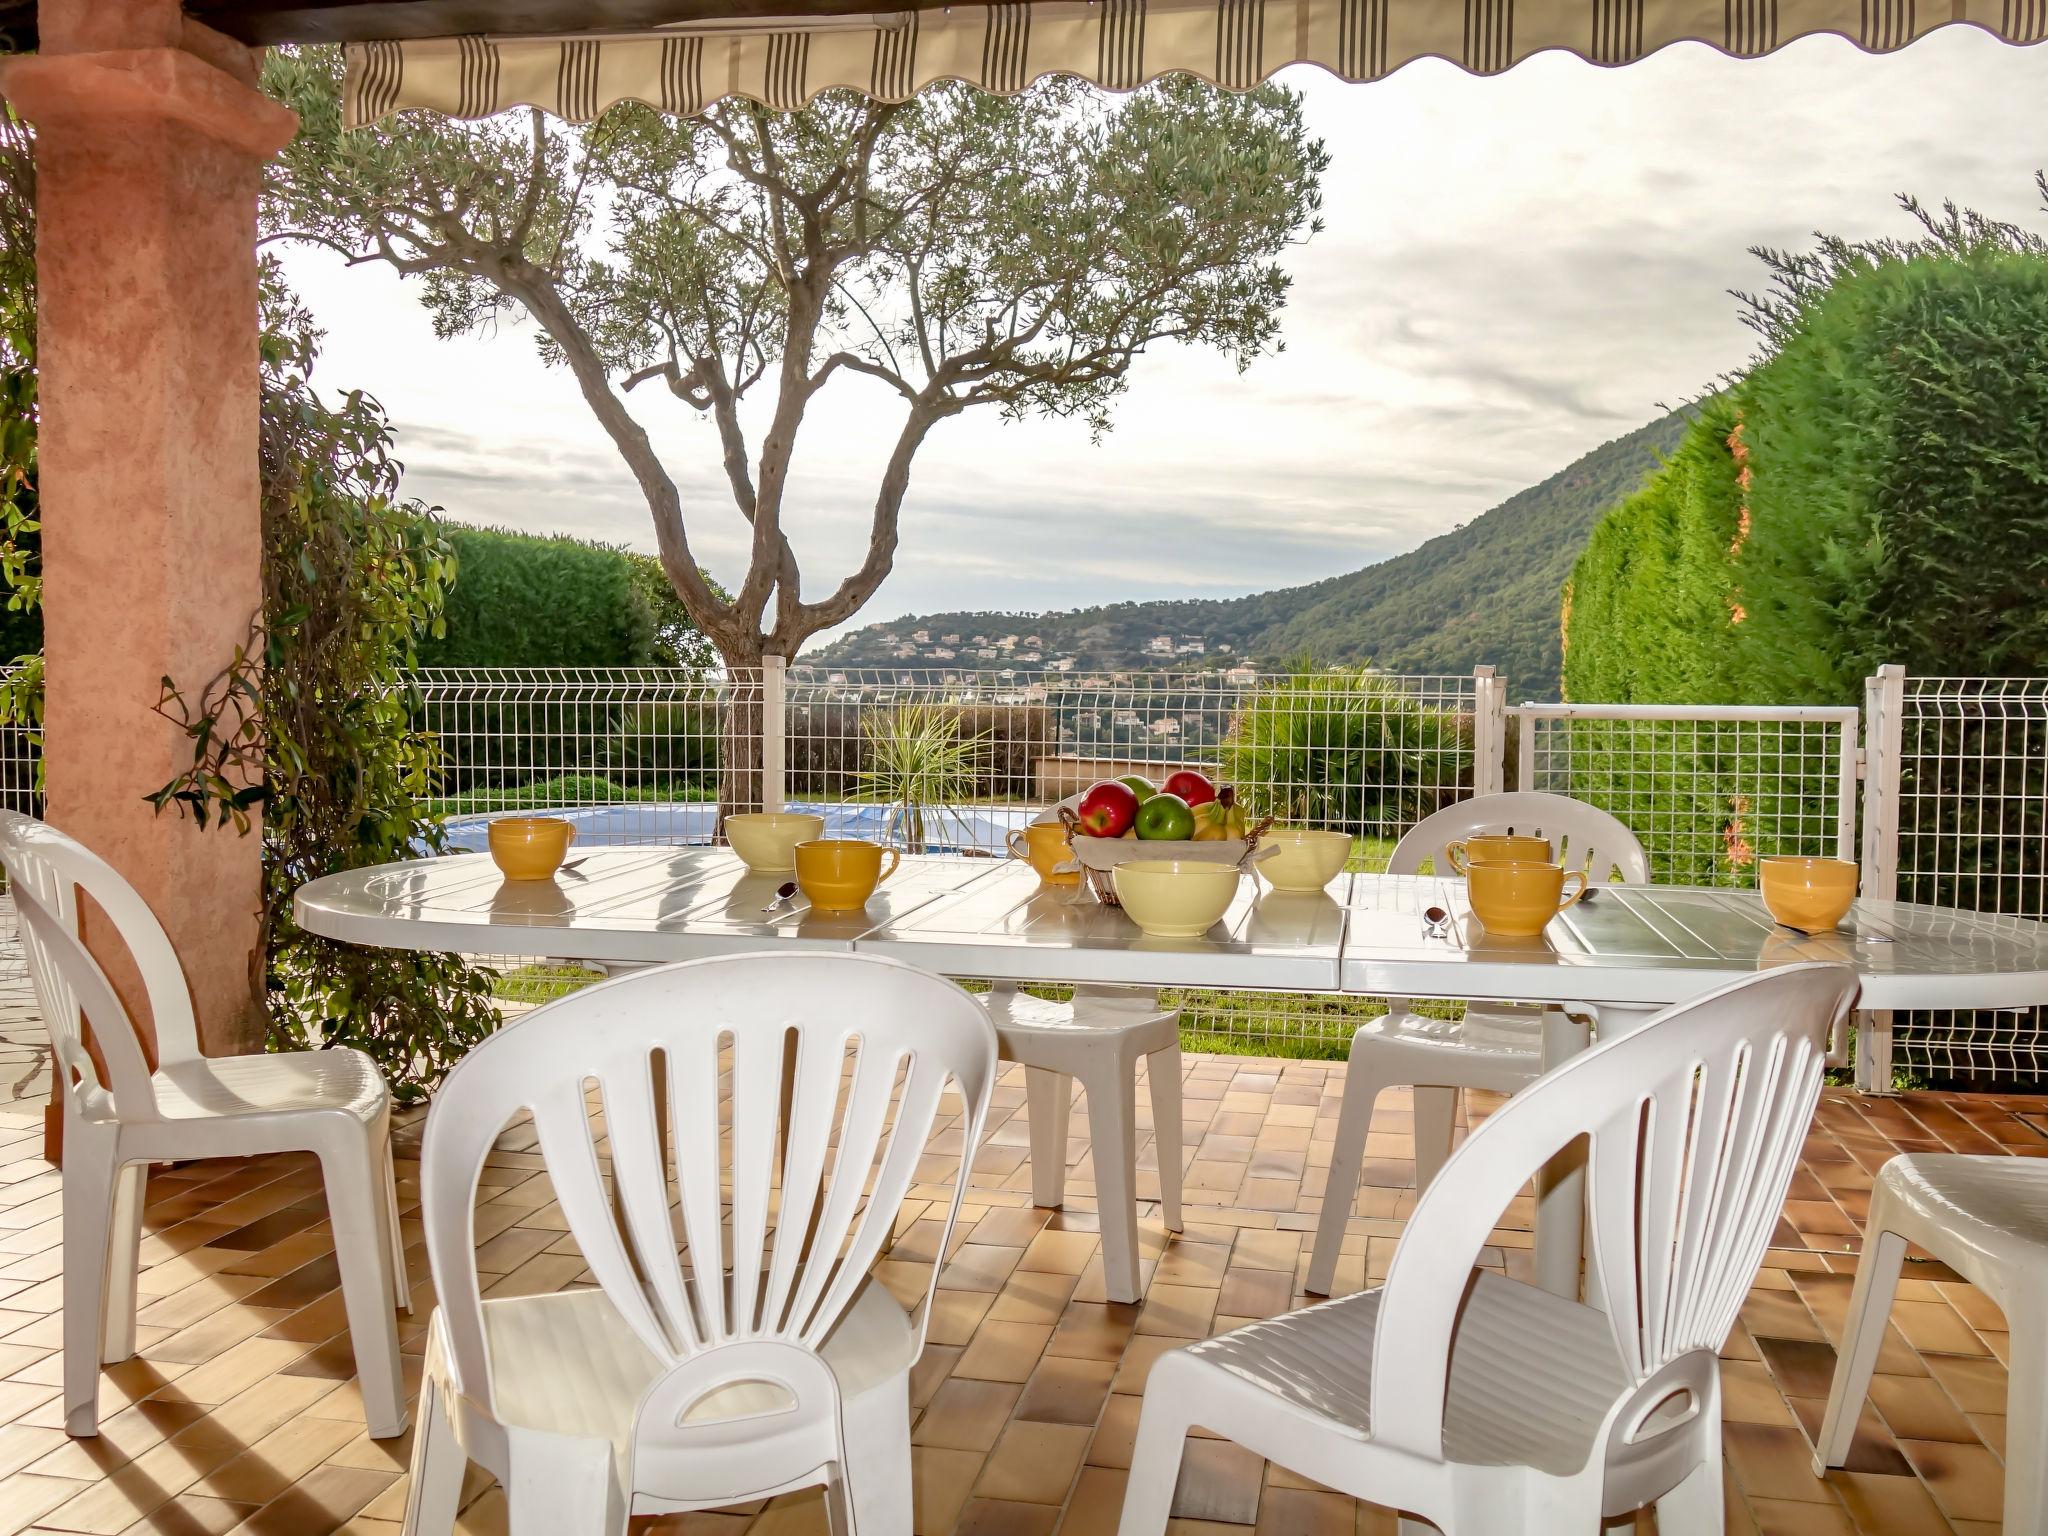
[150, 139]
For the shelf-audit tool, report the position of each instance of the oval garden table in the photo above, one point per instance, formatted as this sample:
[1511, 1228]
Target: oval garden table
[1617, 957]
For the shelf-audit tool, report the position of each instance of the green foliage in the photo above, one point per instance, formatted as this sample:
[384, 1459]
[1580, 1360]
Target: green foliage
[319, 733]
[1874, 490]
[528, 600]
[1344, 748]
[21, 630]
[669, 745]
[918, 760]
[677, 640]
[1486, 592]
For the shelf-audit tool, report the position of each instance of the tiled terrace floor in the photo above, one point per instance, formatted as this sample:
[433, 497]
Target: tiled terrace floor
[239, 1412]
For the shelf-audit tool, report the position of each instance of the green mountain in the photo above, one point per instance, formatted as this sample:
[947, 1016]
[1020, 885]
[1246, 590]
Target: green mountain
[1485, 592]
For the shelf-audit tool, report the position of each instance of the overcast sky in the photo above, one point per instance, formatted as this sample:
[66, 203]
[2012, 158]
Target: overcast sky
[1515, 270]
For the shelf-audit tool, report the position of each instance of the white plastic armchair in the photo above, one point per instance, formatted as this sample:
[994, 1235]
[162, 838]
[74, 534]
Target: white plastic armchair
[763, 1356]
[1496, 1047]
[1484, 1405]
[332, 1103]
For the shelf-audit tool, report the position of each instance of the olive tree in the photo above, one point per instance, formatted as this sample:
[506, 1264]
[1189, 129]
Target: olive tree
[964, 250]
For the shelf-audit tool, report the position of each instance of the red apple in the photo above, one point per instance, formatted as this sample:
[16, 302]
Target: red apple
[1191, 786]
[1108, 809]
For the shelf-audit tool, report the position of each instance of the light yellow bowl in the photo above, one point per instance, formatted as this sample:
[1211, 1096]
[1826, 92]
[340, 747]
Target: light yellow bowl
[766, 840]
[529, 847]
[1176, 898]
[1302, 858]
[1812, 895]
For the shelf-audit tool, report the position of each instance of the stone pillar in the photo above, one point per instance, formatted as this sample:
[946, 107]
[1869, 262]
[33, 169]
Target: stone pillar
[150, 142]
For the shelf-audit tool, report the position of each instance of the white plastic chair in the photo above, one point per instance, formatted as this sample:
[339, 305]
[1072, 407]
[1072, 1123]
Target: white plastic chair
[1987, 1218]
[1495, 1046]
[1098, 1038]
[771, 1360]
[331, 1103]
[1488, 1406]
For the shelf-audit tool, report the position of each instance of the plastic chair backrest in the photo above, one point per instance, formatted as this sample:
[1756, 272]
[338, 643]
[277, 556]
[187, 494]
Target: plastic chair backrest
[1696, 1122]
[783, 1263]
[1584, 836]
[47, 869]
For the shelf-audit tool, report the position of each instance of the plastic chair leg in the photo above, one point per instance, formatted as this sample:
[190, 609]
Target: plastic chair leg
[1694, 1507]
[355, 1206]
[1162, 1077]
[1870, 1306]
[1354, 1118]
[89, 1177]
[1436, 1114]
[1113, 1134]
[438, 1465]
[1049, 1100]
[1155, 1462]
[124, 1241]
[401, 1282]
[876, 1468]
[570, 1489]
[2026, 1419]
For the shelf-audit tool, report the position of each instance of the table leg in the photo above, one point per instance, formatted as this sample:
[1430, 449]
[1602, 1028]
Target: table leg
[1561, 1185]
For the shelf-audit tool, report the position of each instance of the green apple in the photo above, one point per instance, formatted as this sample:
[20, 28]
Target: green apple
[1140, 786]
[1165, 818]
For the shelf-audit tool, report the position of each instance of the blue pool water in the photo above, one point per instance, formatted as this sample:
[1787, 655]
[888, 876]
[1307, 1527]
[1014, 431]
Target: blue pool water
[948, 829]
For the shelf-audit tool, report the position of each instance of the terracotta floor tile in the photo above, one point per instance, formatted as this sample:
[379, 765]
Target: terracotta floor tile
[1034, 1463]
[1066, 1391]
[1218, 1481]
[1003, 1352]
[1967, 1481]
[967, 1415]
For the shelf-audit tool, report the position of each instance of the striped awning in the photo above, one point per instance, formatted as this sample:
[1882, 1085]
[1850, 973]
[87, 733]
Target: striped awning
[1119, 44]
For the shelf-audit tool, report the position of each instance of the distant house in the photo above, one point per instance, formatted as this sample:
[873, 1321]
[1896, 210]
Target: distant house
[1159, 645]
[921, 636]
[943, 653]
[1060, 664]
[1190, 648]
[1242, 676]
[1222, 650]
[1033, 641]
[986, 652]
[1168, 727]
[949, 639]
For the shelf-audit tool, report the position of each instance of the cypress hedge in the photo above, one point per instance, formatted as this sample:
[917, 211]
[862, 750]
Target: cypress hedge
[529, 600]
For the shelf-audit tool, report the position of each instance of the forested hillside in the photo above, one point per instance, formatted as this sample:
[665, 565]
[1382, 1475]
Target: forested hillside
[1486, 592]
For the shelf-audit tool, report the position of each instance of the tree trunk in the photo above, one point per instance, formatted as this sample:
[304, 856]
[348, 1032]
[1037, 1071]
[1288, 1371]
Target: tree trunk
[740, 723]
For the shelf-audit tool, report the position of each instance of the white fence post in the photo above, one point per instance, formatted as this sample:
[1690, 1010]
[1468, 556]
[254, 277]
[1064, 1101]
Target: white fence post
[1884, 710]
[774, 731]
[1489, 732]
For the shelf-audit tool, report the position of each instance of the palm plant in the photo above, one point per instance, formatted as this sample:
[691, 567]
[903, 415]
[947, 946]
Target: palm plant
[917, 760]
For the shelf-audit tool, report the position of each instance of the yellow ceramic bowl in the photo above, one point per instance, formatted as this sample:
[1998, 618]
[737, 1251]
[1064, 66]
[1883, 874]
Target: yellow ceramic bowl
[1302, 858]
[839, 874]
[1812, 895]
[1518, 898]
[1494, 846]
[1176, 898]
[766, 840]
[530, 847]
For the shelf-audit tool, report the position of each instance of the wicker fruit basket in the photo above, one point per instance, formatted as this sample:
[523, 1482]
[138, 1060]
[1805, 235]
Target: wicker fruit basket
[1097, 857]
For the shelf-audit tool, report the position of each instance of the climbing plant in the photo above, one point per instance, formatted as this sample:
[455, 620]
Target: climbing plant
[311, 721]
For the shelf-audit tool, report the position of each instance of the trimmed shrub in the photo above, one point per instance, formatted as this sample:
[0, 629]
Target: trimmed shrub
[522, 600]
[1345, 748]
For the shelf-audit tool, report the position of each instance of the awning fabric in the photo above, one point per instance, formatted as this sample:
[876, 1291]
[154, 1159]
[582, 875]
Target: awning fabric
[1119, 44]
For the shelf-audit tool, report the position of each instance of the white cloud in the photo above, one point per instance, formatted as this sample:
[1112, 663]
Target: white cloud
[1515, 270]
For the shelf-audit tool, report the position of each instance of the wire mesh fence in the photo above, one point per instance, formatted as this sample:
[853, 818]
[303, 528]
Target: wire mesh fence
[1972, 831]
[1708, 790]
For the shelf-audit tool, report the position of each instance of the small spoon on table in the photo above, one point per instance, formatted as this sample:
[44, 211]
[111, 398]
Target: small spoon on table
[784, 894]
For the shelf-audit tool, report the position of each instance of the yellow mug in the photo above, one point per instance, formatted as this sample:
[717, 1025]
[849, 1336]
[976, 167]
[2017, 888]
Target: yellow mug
[1519, 897]
[1042, 845]
[1514, 847]
[839, 874]
[529, 847]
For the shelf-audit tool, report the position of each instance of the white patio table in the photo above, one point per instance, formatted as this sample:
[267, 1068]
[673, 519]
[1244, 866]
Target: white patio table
[1619, 956]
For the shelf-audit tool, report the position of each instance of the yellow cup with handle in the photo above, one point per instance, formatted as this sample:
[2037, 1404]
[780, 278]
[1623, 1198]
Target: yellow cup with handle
[1044, 845]
[1519, 897]
[1514, 847]
[839, 874]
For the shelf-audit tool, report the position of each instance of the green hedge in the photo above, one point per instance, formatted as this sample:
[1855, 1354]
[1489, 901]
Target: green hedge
[1891, 457]
[524, 600]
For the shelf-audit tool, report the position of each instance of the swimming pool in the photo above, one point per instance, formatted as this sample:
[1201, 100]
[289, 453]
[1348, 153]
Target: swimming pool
[948, 828]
